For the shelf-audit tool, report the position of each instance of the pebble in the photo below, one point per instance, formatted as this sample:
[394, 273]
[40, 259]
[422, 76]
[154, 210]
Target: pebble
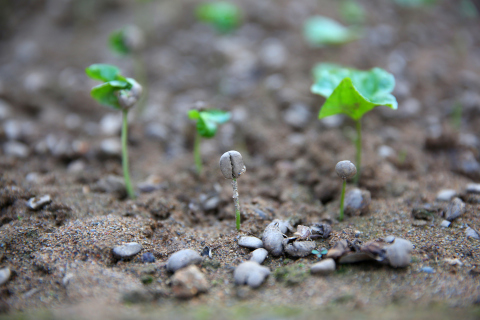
[250, 242]
[427, 270]
[455, 209]
[139, 295]
[16, 149]
[111, 147]
[156, 131]
[250, 273]
[148, 257]
[385, 151]
[472, 233]
[12, 129]
[445, 224]
[36, 203]
[189, 282]
[111, 124]
[297, 115]
[299, 249]
[4, 275]
[453, 262]
[112, 184]
[273, 239]
[323, 267]
[357, 201]
[182, 259]
[389, 239]
[398, 253]
[473, 188]
[446, 195]
[259, 255]
[273, 53]
[334, 121]
[127, 251]
[5, 109]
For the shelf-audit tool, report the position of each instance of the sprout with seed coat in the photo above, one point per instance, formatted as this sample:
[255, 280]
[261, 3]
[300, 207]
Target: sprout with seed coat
[231, 165]
[346, 170]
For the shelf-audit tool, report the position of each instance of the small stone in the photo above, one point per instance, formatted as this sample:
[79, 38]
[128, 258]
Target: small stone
[334, 121]
[4, 275]
[259, 255]
[446, 195]
[472, 233]
[16, 149]
[138, 296]
[453, 262]
[357, 202]
[473, 188]
[345, 169]
[389, 239]
[250, 273]
[445, 224]
[323, 267]
[297, 115]
[427, 270]
[36, 203]
[385, 152]
[156, 131]
[419, 223]
[148, 257]
[425, 212]
[398, 253]
[250, 242]
[189, 282]
[112, 184]
[111, 124]
[127, 251]
[182, 259]
[455, 209]
[273, 239]
[111, 147]
[5, 109]
[211, 203]
[231, 164]
[299, 249]
[76, 166]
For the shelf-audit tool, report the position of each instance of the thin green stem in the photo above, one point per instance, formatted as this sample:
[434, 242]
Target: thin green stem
[126, 174]
[342, 199]
[358, 145]
[237, 203]
[196, 153]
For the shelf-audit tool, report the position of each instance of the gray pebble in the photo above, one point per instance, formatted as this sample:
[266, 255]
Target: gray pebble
[345, 169]
[455, 209]
[357, 202]
[111, 147]
[231, 164]
[36, 203]
[446, 195]
[5, 109]
[111, 124]
[445, 224]
[182, 259]
[16, 149]
[472, 233]
[250, 273]
[389, 239]
[323, 267]
[259, 255]
[297, 115]
[273, 239]
[250, 242]
[4, 275]
[189, 282]
[398, 253]
[127, 251]
[385, 151]
[427, 270]
[112, 184]
[473, 188]
[299, 249]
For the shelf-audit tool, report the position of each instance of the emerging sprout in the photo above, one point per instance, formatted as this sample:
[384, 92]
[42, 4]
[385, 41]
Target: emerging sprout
[345, 170]
[222, 15]
[207, 125]
[321, 31]
[354, 93]
[121, 94]
[231, 165]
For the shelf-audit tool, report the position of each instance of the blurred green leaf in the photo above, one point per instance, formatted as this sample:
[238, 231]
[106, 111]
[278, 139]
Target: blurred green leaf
[208, 121]
[468, 9]
[322, 31]
[223, 16]
[103, 72]
[352, 92]
[352, 12]
[415, 3]
[105, 93]
[116, 42]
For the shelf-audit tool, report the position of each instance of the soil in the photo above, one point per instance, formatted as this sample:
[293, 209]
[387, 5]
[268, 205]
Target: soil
[60, 255]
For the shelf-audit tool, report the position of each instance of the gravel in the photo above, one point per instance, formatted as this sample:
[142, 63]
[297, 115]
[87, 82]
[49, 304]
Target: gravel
[127, 251]
[446, 195]
[250, 273]
[250, 242]
[188, 282]
[4, 275]
[455, 209]
[323, 267]
[259, 255]
[182, 259]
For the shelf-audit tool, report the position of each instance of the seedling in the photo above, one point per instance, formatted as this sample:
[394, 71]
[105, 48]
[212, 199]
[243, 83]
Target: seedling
[321, 31]
[121, 94]
[415, 3]
[354, 93]
[345, 170]
[352, 12]
[231, 165]
[222, 15]
[207, 125]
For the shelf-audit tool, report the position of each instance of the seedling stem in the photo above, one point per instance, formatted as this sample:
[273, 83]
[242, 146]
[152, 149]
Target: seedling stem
[236, 202]
[196, 153]
[359, 150]
[342, 198]
[126, 174]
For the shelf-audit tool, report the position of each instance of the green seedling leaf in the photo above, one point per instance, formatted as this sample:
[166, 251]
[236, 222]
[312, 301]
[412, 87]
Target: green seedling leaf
[321, 31]
[415, 3]
[105, 93]
[103, 72]
[223, 16]
[352, 92]
[352, 12]
[208, 121]
[116, 42]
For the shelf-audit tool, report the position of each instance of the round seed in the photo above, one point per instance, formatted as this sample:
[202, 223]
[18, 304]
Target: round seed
[231, 164]
[346, 169]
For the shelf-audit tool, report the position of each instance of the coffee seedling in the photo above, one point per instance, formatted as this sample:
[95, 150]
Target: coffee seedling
[231, 165]
[222, 15]
[320, 31]
[121, 94]
[354, 93]
[207, 126]
[345, 170]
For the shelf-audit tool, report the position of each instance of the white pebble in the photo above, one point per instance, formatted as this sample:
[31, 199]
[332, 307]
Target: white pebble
[323, 267]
